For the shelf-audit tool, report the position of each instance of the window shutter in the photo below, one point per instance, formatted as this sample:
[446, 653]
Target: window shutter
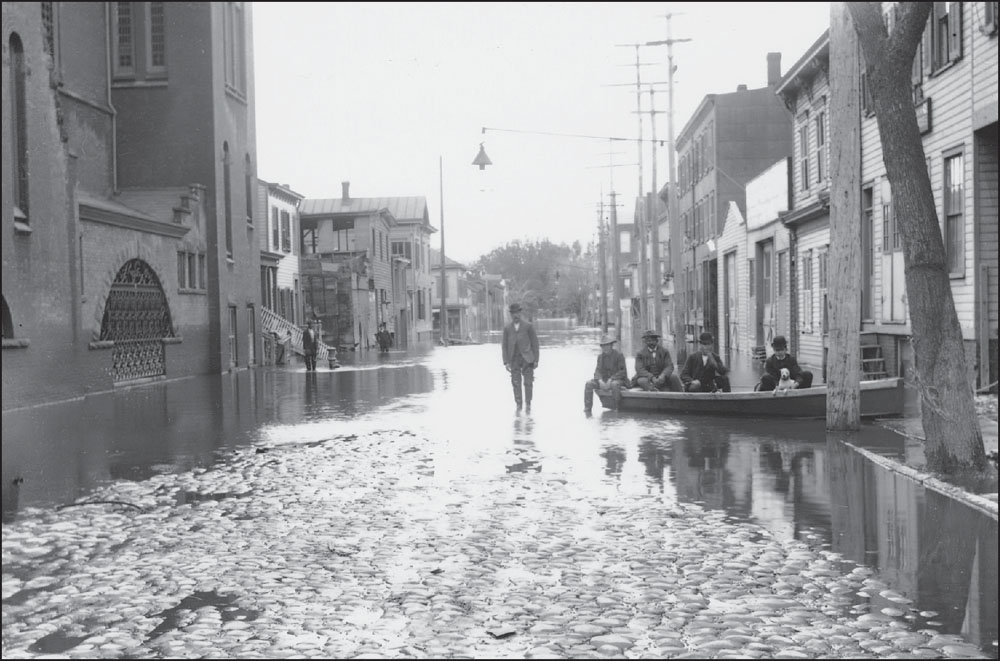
[929, 43]
[955, 25]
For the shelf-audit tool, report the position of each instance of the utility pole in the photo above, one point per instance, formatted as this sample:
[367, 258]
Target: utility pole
[616, 280]
[641, 226]
[654, 223]
[444, 274]
[603, 266]
[680, 348]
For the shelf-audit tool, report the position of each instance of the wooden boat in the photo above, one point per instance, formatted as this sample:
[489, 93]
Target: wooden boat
[879, 398]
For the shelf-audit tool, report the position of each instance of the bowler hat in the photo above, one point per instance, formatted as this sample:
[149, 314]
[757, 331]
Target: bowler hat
[515, 307]
[607, 339]
[779, 342]
[706, 338]
[650, 333]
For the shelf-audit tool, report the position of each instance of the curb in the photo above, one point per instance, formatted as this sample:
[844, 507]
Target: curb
[981, 503]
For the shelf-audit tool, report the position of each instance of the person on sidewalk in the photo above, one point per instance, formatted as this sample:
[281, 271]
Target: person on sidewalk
[310, 346]
[654, 368]
[520, 355]
[610, 375]
[782, 359]
[704, 371]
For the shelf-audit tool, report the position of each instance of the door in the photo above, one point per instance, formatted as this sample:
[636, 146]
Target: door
[893, 284]
[765, 316]
[731, 337]
[711, 304]
[136, 318]
[781, 318]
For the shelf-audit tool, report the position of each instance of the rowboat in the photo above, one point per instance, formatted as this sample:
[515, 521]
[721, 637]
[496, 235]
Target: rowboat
[879, 399]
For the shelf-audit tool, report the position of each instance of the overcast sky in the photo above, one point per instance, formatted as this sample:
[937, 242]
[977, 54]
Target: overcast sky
[375, 93]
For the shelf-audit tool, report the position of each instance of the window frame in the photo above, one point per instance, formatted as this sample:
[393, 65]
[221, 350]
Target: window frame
[21, 188]
[152, 70]
[804, 152]
[954, 240]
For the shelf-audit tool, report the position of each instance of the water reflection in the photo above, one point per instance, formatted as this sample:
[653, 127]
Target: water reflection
[784, 475]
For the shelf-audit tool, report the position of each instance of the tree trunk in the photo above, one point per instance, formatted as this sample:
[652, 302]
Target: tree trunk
[948, 412]
[843, 401]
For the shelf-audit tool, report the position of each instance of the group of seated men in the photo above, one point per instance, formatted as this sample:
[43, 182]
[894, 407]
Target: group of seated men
[703, 370]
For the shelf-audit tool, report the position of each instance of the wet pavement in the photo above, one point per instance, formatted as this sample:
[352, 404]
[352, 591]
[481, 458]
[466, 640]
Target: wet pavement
[400, 507]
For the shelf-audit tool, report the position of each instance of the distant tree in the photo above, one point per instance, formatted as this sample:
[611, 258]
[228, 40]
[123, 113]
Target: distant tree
[547, 279]
[954, 440]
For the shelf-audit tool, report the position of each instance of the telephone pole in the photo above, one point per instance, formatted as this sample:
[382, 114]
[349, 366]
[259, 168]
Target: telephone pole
[603, 265]
[680, 348]
[654, 225]
[641, 226]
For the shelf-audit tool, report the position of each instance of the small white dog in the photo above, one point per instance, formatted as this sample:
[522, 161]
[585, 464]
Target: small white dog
[786, 383]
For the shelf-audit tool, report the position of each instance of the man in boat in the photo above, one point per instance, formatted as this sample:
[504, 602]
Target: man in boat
[779, 359]
[654, 369]
[520, 355]
[704, 370]
[611, 375]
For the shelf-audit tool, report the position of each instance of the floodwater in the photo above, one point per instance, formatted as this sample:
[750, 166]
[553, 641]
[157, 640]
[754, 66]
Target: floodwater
[785, 475]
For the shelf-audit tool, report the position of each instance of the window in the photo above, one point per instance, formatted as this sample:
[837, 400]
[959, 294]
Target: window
[822, 287]
[49, 28]
[251, 333]
[820, 146]
[156, 39]
[234, 31]
[191, 270]
[954, 217]
[202, 281]
[124, 42]
[19, 129]
[233, 356]
[248, 188]
[946, 33]
[765, 284]
[275, 230]
[867, 250]
[867, 105]
[804, 154]
[139, 40]
[227, 197]
[286, 232]
[989, 24]
[806, 317]
[782, 266]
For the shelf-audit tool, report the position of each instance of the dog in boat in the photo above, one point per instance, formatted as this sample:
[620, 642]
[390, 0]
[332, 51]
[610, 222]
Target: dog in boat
[785, 383]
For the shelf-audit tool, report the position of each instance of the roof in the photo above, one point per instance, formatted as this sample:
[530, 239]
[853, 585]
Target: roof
[435, 258]
[403, 209]
[790, 80]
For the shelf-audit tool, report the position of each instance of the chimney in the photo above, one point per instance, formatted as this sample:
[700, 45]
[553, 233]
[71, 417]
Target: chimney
[345, 186]
[741, 88]
[773, 69]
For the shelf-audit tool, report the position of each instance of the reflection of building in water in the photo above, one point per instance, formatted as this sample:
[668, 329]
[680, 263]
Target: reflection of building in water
[930, 548]
[655, 456]
[614, 457]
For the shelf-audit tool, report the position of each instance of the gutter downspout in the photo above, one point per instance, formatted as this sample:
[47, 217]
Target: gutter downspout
[111, 106]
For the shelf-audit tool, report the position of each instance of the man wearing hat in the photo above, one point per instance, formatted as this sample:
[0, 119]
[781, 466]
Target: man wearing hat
[782, 359]
[520, 355]
[704, 370]
[611, 374]
[654, 368]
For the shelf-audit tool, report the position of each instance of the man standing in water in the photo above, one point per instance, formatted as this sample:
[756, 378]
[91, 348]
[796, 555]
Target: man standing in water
[520, 355]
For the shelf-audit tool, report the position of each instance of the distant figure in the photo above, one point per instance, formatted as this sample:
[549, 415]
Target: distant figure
[384, 338]
[280, 339]
[610, 375]
[520, 355]
[779, 360]
[310, 346]
[704, 371]
[654, 368]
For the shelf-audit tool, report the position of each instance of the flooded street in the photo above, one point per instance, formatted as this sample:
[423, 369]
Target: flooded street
[401, 507]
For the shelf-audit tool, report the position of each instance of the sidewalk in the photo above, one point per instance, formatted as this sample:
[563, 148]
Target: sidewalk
[914, 462]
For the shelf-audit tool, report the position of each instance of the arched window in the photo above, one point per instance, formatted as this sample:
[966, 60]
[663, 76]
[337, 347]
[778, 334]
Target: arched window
[248, 183]
[227, 196]
[19, 128]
